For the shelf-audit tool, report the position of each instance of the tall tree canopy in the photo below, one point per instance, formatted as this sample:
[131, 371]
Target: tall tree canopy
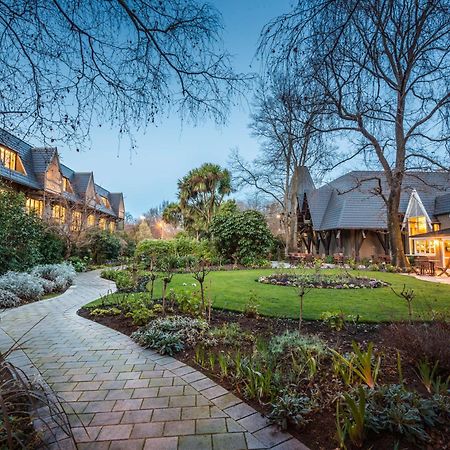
[66, 65]
[382, 71]
[200, 195]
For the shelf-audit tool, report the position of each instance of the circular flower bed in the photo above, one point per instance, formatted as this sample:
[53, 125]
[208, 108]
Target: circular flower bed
[321, 281]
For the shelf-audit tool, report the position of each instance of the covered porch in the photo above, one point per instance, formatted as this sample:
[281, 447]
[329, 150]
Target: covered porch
[435, 254]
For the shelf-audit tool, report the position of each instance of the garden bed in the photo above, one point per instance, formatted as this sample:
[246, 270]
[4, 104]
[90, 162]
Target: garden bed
[323, 281]
[319, 432]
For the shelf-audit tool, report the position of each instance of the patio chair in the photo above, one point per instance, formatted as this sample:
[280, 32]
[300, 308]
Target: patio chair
[444, 270]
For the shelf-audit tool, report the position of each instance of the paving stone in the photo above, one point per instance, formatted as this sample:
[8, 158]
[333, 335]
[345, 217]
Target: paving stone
[119, 394]
[166, 414]
[179, 427]
[113, 384]
[171, 391]
[291, 444]
[205, 383]
[126, 405]
[92, 395]
[194, 442]
[253, 443]
[130, 444]
[225, 401]
[160, 402]
[183, 400]
[146, 430]
[271, 436]
[114, 432]
[146, 392]
[254, 422]
[100, 406]
[195, 412]
[234, 427]
[138, 416]
[239, 411]
[161, 382]
[193, 376]
[229, 441]
[147, 374]
[214, 392]
[205, 426]
[163, 443]
[134, 384]
[183, 370]
[94, 446]
[85, 434]
[107, 418]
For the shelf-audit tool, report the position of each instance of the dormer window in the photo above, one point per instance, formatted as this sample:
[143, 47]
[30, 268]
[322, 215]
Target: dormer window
[105, 201]
[11, 160]
[67, 187]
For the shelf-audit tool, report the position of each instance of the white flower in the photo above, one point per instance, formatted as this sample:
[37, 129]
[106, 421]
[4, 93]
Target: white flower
[184, 284]
[194, 284]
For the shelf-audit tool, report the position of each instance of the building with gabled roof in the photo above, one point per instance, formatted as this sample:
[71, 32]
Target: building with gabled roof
[56, 192]
[348, 215]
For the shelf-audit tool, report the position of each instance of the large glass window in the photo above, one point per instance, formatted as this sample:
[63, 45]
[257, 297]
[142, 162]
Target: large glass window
[105, 201]
[91, 220]
[112, 226]
[11, 160]
[76, 221]
[424, 247]
[102, 223]
[417, 225]
[34, 206]
[59, 214]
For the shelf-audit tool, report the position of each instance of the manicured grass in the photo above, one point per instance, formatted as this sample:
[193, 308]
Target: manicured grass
[231, 290]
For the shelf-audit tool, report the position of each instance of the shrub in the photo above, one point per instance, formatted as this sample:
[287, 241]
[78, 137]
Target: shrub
[141, 314]
[62, 275]
[338, 320]
[152, 250]
[392, 408]
[25, 240]
[113, 311]
[27, 287]
[242, 236]
[292, 339]
[122, 278]
[8, 299]
[169, 335]
[189, 302]
[79, 264]
[230, 334]
[422, 342]
[290, 409]
[101, 246]
[251, 307]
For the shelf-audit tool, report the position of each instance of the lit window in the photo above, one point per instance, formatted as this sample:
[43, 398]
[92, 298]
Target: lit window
[76, 221]
[91, 220]
[66, 185]
[105, 201]
[34, 206]
[436, 226]
[102, 223]
[424, 247]
[112, 226]
[11, 160]
[59, 214]
[417, 225]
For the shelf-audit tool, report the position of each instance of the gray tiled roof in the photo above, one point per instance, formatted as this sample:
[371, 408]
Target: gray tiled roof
[350, 201]
[36, 161]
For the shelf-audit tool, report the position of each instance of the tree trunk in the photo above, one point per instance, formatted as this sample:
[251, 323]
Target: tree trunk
[293, 221]
[394, 228]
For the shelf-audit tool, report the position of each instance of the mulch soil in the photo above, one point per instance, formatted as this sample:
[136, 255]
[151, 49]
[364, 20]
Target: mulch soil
[319, 433]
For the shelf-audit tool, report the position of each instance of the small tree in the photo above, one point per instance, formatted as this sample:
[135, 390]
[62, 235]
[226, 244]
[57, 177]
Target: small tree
[408, 295]
[168, 266]
[199, 274]
[153, 276]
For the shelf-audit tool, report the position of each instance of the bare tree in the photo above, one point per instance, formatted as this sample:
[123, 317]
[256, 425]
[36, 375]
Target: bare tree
[283, 121]
[67, 65]
[383, 70]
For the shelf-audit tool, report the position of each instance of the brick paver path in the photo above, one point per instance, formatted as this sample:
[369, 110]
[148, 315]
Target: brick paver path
[128, 397]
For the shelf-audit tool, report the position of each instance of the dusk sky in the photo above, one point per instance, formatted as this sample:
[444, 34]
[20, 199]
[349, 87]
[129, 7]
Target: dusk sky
[168, 150]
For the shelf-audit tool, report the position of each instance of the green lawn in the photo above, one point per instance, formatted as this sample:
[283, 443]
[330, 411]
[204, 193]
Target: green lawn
[230, 290]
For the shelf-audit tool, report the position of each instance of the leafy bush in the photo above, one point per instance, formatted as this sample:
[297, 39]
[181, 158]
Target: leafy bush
[230, 334]
[25, 240]
[290, 409]
[27, 287]
[251, 307]
[149, 251]
[338, 320]
[292, 339]
[189, 302]
[170, 334]
[101, 246]
[122, 278]
[392, 408]
[79, 264]
[141, 314]
[422, 342]
[241, 236]
[8, 299]
[113, 311]
[62, 275]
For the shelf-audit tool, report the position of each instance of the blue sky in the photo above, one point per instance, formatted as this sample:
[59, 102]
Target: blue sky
[168, 150]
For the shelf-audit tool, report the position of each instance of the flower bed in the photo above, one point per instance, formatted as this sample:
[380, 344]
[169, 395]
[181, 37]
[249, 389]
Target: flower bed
[321, 281]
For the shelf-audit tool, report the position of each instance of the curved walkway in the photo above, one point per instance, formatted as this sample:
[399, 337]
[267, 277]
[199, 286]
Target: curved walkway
[126, 397]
